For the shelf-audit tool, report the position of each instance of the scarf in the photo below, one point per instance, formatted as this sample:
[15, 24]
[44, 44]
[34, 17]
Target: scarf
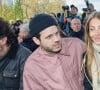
[95, 68]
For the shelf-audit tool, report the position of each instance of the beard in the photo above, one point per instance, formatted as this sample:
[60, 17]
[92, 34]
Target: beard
[51, 49]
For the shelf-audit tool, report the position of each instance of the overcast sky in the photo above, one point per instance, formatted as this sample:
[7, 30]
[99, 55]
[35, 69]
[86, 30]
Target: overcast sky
[81, 4]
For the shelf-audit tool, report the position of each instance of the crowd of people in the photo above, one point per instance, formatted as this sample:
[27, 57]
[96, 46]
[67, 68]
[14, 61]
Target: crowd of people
[51, 52]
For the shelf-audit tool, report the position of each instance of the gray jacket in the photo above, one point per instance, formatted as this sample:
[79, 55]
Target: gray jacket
[11, 69]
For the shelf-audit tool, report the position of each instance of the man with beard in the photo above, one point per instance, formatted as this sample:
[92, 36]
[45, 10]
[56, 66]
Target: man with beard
[56, 63]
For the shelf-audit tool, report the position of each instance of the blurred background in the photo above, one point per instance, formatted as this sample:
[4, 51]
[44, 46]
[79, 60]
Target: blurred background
[25, 9]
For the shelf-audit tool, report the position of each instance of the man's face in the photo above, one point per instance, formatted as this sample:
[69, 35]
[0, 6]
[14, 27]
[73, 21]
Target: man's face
[50, 39]
[76, 25]
[73, 10]
[91, 7]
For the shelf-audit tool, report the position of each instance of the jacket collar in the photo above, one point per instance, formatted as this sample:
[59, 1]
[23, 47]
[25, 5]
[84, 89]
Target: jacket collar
[12, 51]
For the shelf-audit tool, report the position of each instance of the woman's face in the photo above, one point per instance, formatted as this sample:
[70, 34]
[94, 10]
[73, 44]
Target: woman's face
[94, 30]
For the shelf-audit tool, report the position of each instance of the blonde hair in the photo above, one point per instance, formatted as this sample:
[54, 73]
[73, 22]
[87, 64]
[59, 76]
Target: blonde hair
[88, 40]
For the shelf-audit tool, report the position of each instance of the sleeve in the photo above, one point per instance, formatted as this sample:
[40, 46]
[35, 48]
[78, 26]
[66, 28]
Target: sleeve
[22, 61]
[61, 19]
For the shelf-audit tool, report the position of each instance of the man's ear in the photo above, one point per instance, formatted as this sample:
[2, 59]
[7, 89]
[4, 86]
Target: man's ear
[36, 40]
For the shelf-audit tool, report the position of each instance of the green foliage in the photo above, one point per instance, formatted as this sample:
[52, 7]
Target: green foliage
[12, 11]
[18, 10]
[8, 14]
[29, 7]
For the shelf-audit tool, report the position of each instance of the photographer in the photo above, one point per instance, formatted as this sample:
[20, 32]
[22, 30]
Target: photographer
[87, 11]
[65, 21]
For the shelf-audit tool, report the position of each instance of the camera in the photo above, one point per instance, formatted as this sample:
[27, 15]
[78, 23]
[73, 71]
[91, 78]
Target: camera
[85, 9]
[65, 7]
[87, 4]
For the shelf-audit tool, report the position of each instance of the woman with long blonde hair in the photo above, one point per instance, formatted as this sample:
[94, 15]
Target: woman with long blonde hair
[92, 57]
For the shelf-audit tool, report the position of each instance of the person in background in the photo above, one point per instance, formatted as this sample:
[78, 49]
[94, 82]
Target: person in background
[74, 13]
[56, 63]
[23, 32]
[87, 11]
[76, 29]
[12, 59]
[24, 37]
[92, 57]
[91, 8]
[65, 21]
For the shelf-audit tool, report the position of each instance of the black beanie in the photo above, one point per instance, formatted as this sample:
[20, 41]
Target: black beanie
[41, 22]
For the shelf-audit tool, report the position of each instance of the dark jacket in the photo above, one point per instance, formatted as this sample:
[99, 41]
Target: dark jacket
[79, 34]
[11, 68]
[28, 43]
